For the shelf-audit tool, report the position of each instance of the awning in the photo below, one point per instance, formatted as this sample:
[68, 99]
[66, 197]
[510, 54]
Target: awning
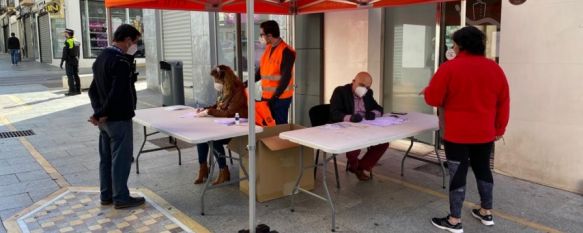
[263, 6]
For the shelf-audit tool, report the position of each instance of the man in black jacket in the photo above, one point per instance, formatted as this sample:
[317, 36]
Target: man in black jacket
[353, 103]
[113, 98]
[14, 48]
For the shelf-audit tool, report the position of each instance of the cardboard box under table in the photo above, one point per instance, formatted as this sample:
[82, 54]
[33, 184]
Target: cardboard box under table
[277, 163]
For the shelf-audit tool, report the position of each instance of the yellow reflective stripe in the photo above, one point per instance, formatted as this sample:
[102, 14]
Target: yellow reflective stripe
[271, 77]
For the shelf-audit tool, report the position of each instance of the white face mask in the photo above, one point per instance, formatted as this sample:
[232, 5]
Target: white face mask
[132, 49]
[218, 86]
[360, 91]
[262, 40]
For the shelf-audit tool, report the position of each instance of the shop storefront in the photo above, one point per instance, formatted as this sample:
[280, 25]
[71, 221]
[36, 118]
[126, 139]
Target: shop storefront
[98, 25]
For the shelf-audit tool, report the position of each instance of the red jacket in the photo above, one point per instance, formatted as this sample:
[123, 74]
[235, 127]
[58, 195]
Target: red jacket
[473, 92]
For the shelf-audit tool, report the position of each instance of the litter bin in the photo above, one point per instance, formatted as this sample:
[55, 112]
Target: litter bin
[171, 83]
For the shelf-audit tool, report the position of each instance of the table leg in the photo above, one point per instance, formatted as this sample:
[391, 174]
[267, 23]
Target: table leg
[140, 152]
[297, 186]
[406, 155]
[179, 153]
[211, 172]
[440, 165]
[329, 198]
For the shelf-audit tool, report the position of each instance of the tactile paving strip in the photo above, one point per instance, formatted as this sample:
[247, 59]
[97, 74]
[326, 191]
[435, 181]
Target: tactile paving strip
[81, 211]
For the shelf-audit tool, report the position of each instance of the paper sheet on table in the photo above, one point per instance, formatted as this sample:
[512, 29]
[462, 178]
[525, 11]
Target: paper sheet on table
[189, 115]
[340, 125]
[176, 107]
[386, 121]
[230, 121]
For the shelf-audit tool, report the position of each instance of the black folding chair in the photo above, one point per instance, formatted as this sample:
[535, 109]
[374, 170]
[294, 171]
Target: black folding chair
[320, 115]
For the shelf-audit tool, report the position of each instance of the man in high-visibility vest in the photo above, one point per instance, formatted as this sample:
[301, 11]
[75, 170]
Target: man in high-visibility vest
[275, 71]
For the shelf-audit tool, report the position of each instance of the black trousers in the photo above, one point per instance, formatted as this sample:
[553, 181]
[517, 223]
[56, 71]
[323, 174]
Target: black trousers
[459, 158]
[73, 77]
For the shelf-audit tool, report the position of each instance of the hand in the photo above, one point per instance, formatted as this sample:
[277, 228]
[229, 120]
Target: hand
[356, 118]
[102, 120]
[422, 92]
[499, 137]
[203, 113]
[369, 116]
[199, 110]
[93, 121]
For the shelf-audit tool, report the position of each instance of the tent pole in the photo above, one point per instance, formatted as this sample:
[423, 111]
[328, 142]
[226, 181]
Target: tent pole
[251, 111]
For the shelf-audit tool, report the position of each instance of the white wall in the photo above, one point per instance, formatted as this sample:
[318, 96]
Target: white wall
[346, 51]
[542, 54]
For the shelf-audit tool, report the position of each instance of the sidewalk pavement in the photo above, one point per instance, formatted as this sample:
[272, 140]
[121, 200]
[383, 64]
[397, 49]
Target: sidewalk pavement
[389, 203]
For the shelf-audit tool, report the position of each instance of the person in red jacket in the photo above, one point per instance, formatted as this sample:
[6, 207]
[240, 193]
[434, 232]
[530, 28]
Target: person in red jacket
[473, 94]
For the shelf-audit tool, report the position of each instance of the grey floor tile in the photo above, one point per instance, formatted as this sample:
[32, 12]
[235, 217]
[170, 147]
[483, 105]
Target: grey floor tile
[8, 179]
[15, 201]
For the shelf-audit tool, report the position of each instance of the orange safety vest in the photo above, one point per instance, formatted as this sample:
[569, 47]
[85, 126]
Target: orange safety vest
[271, 74]
[262, 113]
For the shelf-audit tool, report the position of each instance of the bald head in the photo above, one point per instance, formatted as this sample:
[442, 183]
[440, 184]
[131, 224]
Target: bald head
[362, 79]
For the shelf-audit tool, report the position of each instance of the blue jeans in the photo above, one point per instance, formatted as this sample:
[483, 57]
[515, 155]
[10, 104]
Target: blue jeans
[116, 151]
[279, 110]
[218, 151]
[14, 57]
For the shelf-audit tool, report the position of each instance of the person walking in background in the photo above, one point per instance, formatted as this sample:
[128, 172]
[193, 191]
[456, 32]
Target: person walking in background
[14, 49]
[113, 99]
[231, 100]
[71, 58]
[275, 72]
[473, 93]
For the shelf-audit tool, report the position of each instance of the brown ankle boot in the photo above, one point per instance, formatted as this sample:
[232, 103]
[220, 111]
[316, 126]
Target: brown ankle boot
[224, 176]
[203, 173]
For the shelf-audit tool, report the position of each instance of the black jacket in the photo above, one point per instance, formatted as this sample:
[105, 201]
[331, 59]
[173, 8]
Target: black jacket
[342, 103]
[112, 91]
[13, 43]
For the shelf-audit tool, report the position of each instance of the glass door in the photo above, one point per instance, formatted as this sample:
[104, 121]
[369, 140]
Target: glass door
[409, 64]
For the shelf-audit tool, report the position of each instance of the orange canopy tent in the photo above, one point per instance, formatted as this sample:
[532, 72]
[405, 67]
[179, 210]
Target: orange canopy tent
[282, 7]
[263, 6]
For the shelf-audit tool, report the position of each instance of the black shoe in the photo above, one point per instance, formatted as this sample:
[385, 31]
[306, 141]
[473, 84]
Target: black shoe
[487, 220]
[106, 202]
[132, 202]
[70, 93]
[443, 223]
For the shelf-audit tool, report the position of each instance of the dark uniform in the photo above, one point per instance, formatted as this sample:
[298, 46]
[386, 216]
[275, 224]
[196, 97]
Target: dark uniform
[71, 58]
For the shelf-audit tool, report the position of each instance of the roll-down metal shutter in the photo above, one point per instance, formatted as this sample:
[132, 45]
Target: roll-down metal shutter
[44, 28]
[177, 40]
[2, 40]
[30, 37]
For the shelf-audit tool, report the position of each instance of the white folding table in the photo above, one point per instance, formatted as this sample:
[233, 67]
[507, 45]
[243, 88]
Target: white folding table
[346, 137]
[192, 130]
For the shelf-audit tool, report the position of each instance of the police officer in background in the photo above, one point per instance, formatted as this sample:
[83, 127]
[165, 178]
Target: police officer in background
[71, 57]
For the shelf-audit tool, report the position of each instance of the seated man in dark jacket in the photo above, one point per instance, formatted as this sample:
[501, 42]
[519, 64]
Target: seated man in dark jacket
[113, 98]
[354, 102]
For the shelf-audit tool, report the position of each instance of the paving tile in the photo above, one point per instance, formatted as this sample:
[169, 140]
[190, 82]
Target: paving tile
[14, 201]
[32, 175]
[8, 179]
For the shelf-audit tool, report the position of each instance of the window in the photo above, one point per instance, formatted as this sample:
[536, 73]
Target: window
[95, 25]
[57, 29]
[227, 38]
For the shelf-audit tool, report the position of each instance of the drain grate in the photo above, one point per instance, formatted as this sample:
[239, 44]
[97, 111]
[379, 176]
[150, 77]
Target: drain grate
[15, 134]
